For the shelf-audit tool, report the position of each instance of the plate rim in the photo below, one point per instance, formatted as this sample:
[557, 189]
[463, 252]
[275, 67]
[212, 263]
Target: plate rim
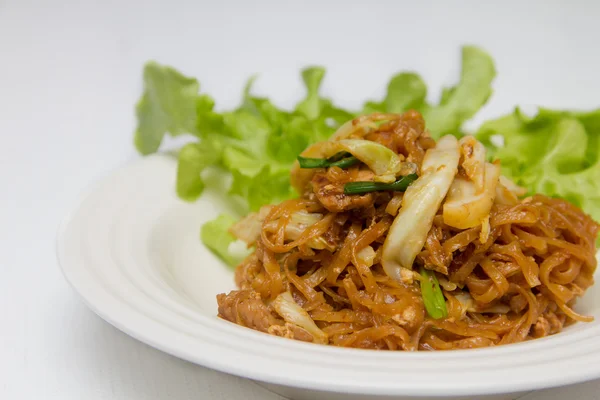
[92, 297]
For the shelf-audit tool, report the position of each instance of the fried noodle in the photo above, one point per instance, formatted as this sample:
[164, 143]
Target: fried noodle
[513, 277]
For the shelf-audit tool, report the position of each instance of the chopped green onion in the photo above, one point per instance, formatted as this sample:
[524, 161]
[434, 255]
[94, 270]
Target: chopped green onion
[365, 187]
[342, 160]
[433, 298]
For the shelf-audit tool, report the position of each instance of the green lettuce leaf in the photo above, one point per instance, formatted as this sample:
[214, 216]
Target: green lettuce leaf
[313, 104]
[266, 187]
[405, 91]
[554, 153]
[207, 120]
[289, 139]
[214, 234]
[461, 102]
[168, 104]
[193, 158]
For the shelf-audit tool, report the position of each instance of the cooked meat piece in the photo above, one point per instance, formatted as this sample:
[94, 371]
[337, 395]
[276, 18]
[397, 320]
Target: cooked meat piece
[541, 328]
[548, 324]
[245, 307]
[473, 343]
[556, 322]
[409, 319]
[331, 195]
[291, 331]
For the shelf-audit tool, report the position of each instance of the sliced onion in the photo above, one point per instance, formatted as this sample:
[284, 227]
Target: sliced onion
[292, 313]
[419, 205]
[504, 195]
[298, 223]
[466, 302]
[394, 204]
[513, 187]
[508, 192]
[465, 207]
[248, 228]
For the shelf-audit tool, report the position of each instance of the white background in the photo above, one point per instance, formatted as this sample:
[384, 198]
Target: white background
[70, 73]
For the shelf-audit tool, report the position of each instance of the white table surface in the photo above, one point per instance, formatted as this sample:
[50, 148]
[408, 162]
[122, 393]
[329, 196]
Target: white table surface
[70, 73]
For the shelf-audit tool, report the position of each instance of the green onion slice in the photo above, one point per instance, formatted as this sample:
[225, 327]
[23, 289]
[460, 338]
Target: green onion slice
[365, 187]
[433, 298]
[342, 160]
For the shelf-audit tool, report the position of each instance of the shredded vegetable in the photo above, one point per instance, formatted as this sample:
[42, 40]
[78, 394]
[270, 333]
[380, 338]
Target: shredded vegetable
[419, 206]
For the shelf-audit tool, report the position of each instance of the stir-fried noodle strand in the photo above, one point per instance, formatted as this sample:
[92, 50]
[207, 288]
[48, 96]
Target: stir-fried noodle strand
[511, 275]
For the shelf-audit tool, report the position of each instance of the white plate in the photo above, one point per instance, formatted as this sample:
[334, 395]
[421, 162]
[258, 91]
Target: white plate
[132, 251]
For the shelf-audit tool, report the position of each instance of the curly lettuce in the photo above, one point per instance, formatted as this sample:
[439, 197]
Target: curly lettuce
[457, 104]
[554, 152]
